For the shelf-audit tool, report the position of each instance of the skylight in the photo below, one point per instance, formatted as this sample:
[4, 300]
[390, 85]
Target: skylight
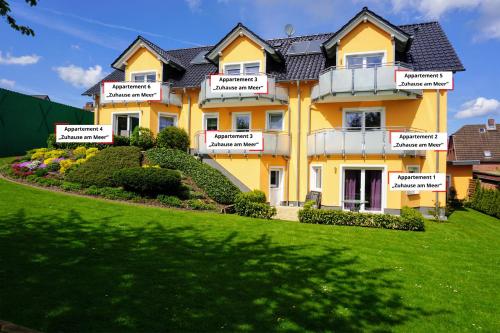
[487, 153]
[305, 47]
[199, 59]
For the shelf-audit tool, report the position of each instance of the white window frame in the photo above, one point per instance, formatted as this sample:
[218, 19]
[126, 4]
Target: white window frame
[281, 180]
[282, 123]
[210, 115]
[145, 72]
[362, 167]
[380, 109]
[114, 123]
[168, 114]
[312, 178]
[368, 53]
[235, 114]
[242, 65]
[417, 167]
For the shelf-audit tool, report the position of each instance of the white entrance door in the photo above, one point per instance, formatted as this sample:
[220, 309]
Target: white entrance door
[275, 186]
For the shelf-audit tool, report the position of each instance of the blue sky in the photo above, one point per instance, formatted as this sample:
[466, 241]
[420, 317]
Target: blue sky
[76, 41]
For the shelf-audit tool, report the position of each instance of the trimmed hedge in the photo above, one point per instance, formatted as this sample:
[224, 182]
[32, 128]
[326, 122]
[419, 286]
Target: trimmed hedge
[174, 138]
[148, 181]
[214, 183]
[253, 204]
[99, 169]
[339, 217]
[486, 201]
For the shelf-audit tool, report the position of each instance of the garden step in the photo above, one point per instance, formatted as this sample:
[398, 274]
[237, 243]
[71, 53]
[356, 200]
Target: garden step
[287, 213]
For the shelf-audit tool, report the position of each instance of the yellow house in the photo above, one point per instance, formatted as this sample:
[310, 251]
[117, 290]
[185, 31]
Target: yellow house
[331, 104]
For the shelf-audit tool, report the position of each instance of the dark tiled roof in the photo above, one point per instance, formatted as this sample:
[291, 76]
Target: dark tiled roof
[116, 75]
[429, 51]
[469, 143]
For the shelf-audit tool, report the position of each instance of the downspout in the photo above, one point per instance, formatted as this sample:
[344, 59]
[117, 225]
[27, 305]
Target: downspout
[298, 144]
[438, 123]
[96, 110]
[288, 160]
[308, 168]
[188, 115]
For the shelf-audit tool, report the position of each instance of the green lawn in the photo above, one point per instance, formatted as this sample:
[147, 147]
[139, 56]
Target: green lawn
[71, 264]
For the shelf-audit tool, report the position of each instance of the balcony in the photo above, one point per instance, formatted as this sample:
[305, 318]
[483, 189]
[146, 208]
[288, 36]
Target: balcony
[348, 141]
[340, 84]
[276, 96]
[275, 143]
[167, 97]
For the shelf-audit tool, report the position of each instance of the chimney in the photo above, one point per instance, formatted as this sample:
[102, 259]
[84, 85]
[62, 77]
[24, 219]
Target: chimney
[490, 125]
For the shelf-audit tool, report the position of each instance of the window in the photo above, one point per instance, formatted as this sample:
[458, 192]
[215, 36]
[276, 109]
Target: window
[247, 69]
[274, 121]
[274, 179]
[363, 120]
[364, 60]
[487, 153]
[124, 124]
[166, 120]
[144, 77]
[232, 69]
[242, 122]
[211, 122]
[362, 190]
[251, 69]
[316, 178]
[413, 169]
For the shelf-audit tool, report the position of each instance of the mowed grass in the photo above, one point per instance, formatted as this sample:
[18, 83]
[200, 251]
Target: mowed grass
[72, 264]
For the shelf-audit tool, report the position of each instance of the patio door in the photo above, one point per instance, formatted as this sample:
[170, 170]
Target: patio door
[362, 190]
[125, 124]
[275, 186]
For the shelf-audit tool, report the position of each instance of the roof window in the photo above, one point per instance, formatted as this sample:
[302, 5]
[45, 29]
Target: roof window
[305, 47]
[487, 153]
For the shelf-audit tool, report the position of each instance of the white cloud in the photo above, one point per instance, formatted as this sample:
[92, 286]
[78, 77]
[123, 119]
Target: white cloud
[80, 77]
[75, 47]
[21, 60]
[7, 83]
[194, 5]
[478, 107]
[434, 9]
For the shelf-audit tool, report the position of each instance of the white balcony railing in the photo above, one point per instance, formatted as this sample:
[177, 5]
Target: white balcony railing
[276, 96]
[167, 97]
[341, 83]
[350, 141]
[275, 143]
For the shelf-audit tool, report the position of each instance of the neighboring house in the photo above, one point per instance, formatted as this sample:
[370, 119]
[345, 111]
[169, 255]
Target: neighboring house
[332, 101]
[44, 97]
[474, 153]
[26, 121]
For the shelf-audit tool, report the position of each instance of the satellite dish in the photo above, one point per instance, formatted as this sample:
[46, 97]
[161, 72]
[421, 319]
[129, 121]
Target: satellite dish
[289, 30]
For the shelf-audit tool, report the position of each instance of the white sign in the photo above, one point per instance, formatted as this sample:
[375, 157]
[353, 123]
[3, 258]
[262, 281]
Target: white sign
[84, 133]
[424, 80]
[252, 141]
[131, 91]
[249, 84]
[418, 141]
[399, 181]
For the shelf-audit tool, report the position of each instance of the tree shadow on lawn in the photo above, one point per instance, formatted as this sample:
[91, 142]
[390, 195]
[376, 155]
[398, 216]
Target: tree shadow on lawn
[67, 274]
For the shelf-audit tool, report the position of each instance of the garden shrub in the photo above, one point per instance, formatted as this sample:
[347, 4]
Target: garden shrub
[486, 200]
[253, 204]
[98, 170]
[339, 217]
[174, 138]
[148, 181]
[119, 140]
[47, 181]
[113, 193]
[41, 172]
[143, 138]
[412, 216]
[198, 204]
[169, 200]
[69, 186]
[214, 183]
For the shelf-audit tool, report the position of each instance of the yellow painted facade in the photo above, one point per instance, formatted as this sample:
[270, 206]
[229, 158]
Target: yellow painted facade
[301, 117]
[460, 178]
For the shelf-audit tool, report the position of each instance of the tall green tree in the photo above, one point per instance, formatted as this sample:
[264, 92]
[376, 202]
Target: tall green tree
[4, 12]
